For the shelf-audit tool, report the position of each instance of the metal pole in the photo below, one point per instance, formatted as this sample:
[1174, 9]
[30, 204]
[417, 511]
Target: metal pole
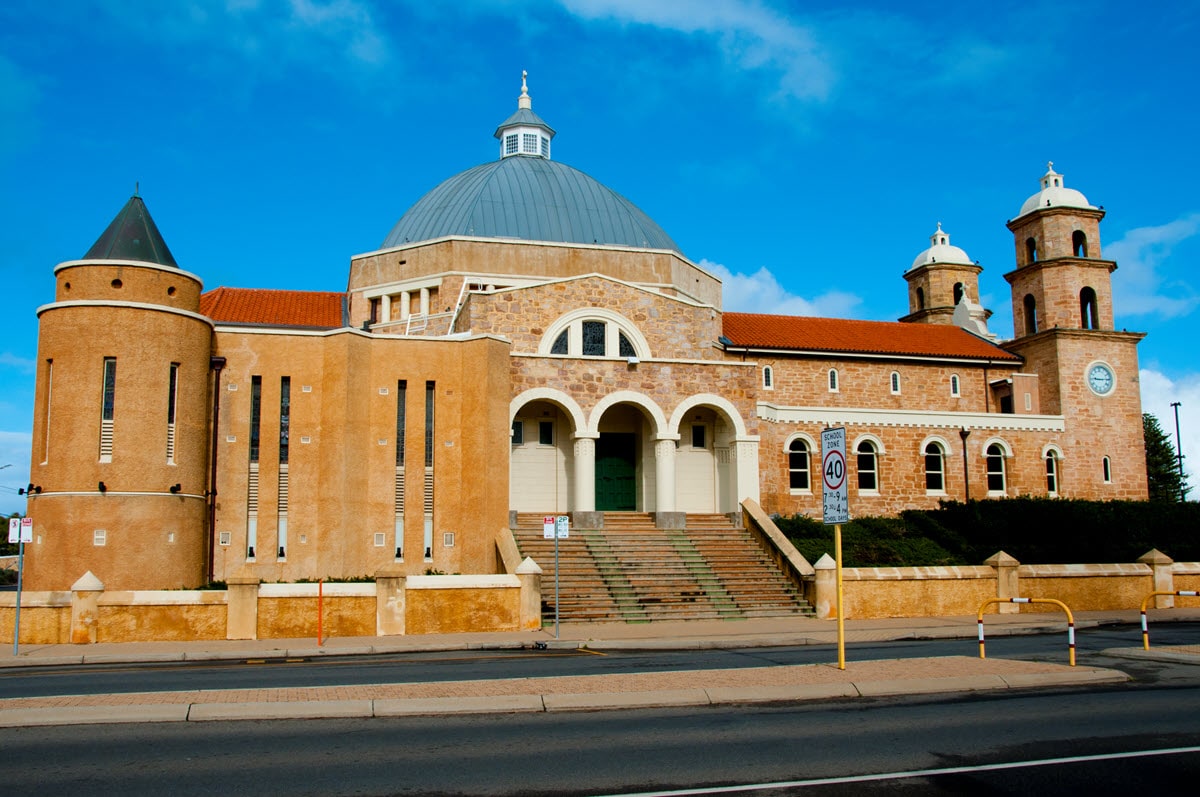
[556, 581]
[841, 618]
[20, 577]
[1179, 451]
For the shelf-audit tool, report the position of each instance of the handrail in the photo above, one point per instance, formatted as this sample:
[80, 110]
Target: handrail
[1065, 608]
[1185, 593]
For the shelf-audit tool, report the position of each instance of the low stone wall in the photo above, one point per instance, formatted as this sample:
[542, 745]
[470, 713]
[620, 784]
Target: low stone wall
[875, 592]
[394, 604]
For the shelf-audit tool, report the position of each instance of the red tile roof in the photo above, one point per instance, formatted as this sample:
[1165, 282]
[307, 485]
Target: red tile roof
[274, 308]
[884, 338]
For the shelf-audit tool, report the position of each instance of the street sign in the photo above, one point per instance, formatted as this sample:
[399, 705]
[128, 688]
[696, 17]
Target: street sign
[835, 495]
[562, 527]
[547, 527]
[26, 529]
[14, 529]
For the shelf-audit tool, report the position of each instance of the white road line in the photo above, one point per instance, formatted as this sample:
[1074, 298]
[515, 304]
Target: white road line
[916, 773]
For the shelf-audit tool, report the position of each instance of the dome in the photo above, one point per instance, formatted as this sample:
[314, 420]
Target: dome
[1054, 194]
[941, 251]
[526, 196]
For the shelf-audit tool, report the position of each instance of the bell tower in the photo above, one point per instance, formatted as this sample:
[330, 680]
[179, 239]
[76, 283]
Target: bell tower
[1087, 371]
[938, 280]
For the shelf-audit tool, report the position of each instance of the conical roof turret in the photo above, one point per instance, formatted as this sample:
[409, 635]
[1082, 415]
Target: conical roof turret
[132, 235]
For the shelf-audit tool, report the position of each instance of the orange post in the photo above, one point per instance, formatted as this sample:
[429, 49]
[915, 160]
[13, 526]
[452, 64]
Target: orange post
[1184, 593]
[1060, 604]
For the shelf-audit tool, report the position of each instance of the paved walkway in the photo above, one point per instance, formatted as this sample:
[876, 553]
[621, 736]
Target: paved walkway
[589, 692]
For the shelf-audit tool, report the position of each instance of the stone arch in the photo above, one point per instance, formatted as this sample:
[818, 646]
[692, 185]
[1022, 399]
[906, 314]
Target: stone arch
[564, 322]
[558, 397]
[712, 400]
[542, 473]
[646, 404]
[714, 476]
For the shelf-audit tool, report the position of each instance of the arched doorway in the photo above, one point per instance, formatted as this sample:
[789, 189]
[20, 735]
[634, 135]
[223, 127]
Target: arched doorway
[541, 458]
[621, 453]
[708, 474]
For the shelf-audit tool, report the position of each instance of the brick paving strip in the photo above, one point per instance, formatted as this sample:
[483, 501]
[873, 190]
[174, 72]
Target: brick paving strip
[884, 670]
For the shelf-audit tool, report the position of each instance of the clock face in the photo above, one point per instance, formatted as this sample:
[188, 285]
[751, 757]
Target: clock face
[1100, 379]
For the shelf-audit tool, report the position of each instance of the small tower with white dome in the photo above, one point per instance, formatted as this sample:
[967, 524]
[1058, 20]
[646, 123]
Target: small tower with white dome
[939, 279]
[524, 133]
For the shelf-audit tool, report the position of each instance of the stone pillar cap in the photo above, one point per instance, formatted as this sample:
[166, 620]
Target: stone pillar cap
[1155, 557]
[528, 567]
[88, 583]
[1001, 559]
[826, 562]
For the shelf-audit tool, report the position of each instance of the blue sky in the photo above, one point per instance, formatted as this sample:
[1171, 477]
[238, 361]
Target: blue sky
[804, 152]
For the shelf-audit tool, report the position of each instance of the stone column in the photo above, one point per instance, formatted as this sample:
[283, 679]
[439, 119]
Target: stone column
[1164, 576]
[744, 453]
[665, 514]
[241, 607]
[826, 597]
[424, 301]
[531, 595]
[1008, 584]
[390, 601]
[405, 305]
[385, 309]
[585, 474]
[85, 598]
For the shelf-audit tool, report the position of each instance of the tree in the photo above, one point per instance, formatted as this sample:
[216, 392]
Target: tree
[1162, 467]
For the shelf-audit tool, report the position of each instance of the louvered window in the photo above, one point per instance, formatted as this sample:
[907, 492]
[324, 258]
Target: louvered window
[107, 401]
[172, 400]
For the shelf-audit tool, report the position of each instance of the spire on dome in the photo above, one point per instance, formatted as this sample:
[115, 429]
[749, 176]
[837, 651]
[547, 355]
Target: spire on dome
[132, 235]
[524, 133]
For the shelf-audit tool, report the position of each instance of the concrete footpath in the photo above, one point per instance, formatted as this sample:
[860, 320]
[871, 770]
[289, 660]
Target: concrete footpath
[780, 683]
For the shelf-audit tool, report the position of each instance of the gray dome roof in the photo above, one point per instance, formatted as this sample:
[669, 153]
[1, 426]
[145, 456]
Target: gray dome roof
[528, 198]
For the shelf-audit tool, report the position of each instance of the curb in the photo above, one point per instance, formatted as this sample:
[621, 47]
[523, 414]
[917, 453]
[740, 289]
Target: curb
[545, 703]
[1152, 655]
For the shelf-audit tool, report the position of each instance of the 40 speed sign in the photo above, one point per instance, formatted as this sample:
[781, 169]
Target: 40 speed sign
[835, 495]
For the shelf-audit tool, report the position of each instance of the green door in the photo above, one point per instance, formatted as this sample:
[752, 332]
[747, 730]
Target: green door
[616, 472]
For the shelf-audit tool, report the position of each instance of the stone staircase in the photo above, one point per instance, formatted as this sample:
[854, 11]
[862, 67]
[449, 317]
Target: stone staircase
[632, 572]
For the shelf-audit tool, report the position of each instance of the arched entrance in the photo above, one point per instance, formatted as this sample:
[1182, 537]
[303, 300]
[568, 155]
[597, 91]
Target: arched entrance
[542, 453]
[716, 462]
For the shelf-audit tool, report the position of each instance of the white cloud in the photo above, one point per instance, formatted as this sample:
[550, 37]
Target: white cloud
[20, 364]
[747, 33]
[761, 292]
[1139, 283]
[1158, 392]
[325, 35]
[14, 452]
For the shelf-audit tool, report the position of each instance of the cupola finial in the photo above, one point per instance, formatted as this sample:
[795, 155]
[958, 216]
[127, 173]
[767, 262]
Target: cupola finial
[524, 101]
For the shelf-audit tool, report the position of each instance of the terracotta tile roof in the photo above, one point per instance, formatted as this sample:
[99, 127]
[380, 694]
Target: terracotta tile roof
[805, 333]
[320, 309]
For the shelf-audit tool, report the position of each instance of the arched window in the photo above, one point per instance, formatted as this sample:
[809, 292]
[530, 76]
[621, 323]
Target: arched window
[798, 464]
[954, 389]
[1030, 314]
[560, 344]
[935, 468]
[1089, 316]
[592, 332]
[868, 467]
[958, 293]
[833, 380]
[1030, 250]
[1107, 471]
[768, 378]
[1079, 243]
[995, 468]
[1051, 473]
[920, 298]
[896, 382]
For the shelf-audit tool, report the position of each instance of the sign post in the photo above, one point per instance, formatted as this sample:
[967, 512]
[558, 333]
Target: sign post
[20, 531]
[558, 527]
[835, 503]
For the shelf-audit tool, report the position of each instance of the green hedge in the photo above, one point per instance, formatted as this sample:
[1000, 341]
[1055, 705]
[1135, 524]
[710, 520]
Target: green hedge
[1034, 530]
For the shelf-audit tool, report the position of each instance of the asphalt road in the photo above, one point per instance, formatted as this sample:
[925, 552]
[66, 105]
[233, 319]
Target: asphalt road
[647, 750]
[482, 665]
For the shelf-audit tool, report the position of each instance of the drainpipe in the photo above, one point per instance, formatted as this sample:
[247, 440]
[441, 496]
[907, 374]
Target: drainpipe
[216, 364]
[964, 434]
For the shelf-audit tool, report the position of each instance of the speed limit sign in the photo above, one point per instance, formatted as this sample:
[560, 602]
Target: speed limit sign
[835, 495]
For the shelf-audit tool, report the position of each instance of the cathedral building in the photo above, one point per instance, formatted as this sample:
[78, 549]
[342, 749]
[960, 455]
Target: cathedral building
[526, 340]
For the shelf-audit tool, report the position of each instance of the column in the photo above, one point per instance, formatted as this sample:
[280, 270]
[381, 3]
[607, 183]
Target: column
[585, 474]
[664, 475]
[405, 305]
[424, 301]
[385, 309]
